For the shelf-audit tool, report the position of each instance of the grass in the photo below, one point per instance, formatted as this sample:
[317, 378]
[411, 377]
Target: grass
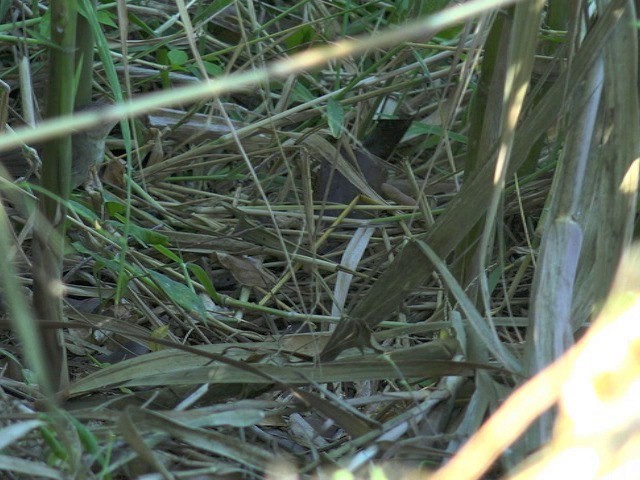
[220, 320]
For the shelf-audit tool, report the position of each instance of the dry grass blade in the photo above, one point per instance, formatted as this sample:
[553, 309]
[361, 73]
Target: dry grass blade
[171, 367]
[521, 54]
[312, 175]
[487, 334]
[208, 440]
[587, 389]
[240, 81]
[31, 469]
[467, 207]
[352, 255]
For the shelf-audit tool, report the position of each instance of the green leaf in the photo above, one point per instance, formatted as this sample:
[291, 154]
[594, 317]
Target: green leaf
[106, 18]
[146, 236]
[432, 6]
[180, 294]
[204, 278]
[335, 116]
[136, 20]
[212, 8]
[168, 253]
[418, 128]
[83, 212]
[301, 37]
[301, 93]
[115, 208]
[177, 57]
[44, 24]
[213, 69]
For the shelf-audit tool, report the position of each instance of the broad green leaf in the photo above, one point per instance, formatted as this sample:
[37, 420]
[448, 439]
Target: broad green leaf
[106, 18]
[335, 117]
[177, 57]
[179, 293]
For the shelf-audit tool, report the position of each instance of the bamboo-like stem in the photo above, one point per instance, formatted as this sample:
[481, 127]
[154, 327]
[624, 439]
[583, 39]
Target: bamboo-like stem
[56, 173]
[85, 43]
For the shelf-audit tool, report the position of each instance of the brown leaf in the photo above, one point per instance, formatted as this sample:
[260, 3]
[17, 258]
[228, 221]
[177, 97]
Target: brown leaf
[247, 271]
[157, 152]
[114, 174]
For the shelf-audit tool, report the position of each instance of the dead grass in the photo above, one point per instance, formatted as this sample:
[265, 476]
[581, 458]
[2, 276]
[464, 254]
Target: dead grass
[224, 321]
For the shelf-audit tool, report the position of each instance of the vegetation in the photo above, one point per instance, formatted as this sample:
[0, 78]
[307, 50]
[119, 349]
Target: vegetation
[200, 301]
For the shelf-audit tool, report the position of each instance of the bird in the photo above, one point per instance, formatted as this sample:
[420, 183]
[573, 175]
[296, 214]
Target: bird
[87, 151]
[332, 187]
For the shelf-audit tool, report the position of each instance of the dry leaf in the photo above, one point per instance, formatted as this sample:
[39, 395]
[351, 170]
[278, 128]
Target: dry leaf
[247, 270]
[114, 174]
